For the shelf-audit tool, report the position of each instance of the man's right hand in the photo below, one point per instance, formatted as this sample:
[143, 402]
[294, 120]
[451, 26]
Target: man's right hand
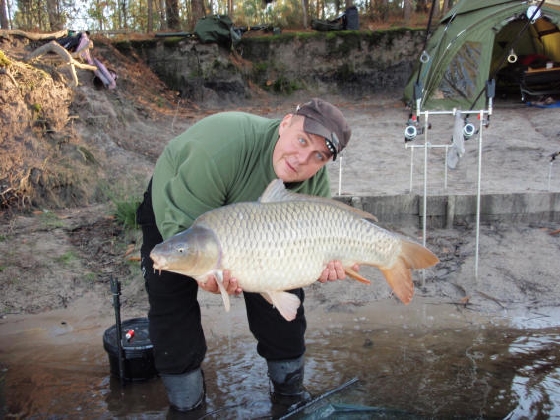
[230, 284]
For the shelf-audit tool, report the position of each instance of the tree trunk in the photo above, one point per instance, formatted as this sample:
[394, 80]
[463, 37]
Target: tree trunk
[161, 10]
[172, 12]
[150, 25]
[445, 7]
[198, 10]
[407, 10]
[123, 14]
[305, 8]
[422, 6]
[436, 12]
[4, 21]
[55, 18]
[99, 8]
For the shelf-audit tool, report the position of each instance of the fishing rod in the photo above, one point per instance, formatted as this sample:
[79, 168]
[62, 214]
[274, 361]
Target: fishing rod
[413, 126]
[425, 57]
[491, 80]
[424, 53]
[296, 410]
[319, 398]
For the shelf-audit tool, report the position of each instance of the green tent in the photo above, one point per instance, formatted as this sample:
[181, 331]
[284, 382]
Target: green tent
[479, 40]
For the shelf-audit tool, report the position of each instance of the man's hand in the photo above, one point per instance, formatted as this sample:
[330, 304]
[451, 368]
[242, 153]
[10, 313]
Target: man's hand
[334, 271]
[230, 284]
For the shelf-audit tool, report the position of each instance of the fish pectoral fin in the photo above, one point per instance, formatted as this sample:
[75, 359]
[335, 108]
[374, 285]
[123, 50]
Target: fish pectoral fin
[356, 276]
[286, 303]
[225, 297]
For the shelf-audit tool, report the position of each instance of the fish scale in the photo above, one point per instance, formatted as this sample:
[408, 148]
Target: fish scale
[284, 242]
[293, 241]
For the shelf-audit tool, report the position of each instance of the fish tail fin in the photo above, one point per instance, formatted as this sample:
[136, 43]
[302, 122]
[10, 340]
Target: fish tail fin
[223, 291]
[286, 303]
[399, 277]
[400, 280]
[417, 256]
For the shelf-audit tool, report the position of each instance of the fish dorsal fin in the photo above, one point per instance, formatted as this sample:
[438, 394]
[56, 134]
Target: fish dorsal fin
[277, 192]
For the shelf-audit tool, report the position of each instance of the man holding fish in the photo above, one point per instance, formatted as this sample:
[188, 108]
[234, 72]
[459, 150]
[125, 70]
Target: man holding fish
[227, 158]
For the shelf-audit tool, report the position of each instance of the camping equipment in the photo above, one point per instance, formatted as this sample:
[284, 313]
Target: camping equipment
[475, 41]
[217, 29]
[347, 20]
[128, 345]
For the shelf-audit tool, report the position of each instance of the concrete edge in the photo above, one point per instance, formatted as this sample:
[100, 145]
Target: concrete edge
[444, 211]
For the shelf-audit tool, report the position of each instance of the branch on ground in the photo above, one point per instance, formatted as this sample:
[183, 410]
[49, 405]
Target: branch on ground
[32, 35]
[56, 48]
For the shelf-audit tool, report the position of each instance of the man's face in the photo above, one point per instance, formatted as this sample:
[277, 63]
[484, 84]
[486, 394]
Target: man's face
[298, 155]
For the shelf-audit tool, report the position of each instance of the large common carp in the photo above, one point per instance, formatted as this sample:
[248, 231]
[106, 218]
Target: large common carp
[284, 241]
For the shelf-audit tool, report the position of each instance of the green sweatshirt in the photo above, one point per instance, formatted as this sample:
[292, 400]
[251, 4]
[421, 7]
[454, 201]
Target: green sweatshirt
[222, 159]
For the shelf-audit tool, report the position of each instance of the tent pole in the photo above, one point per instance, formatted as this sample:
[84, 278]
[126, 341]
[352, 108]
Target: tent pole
[425, 198]
[478, 195]
[340, 175]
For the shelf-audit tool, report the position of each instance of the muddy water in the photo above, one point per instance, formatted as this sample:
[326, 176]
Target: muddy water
[54, 366]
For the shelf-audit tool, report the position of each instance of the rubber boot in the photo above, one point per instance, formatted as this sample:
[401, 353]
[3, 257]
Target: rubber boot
[286, 377]
[185, 391]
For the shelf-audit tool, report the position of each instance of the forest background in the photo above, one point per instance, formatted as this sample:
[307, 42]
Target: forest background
[112, 17]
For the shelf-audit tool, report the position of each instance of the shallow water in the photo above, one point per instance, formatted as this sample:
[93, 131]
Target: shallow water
[59, 369]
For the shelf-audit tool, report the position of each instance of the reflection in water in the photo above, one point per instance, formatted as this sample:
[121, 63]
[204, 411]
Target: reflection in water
[536, 385]
[478, 372]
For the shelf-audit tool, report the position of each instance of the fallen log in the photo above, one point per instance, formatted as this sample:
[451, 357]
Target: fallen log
[56, 48]
[32, 35]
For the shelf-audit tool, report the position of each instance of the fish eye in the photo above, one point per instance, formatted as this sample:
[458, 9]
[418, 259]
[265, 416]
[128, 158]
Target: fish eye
[180, 250]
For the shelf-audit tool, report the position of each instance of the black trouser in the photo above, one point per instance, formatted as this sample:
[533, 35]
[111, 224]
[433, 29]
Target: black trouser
[175, 324]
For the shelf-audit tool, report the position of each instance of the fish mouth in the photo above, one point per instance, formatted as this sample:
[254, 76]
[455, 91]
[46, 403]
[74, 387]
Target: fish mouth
[158, 262]
[159, 267]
